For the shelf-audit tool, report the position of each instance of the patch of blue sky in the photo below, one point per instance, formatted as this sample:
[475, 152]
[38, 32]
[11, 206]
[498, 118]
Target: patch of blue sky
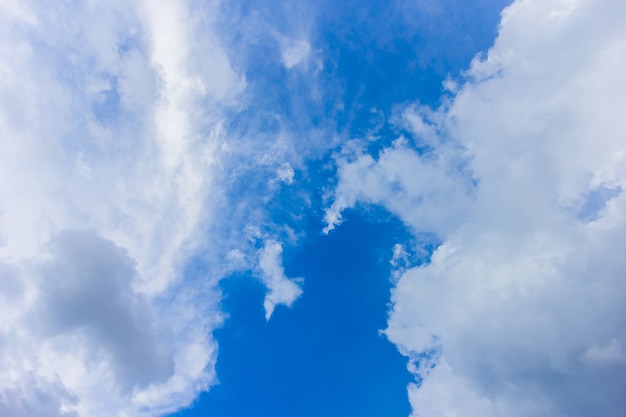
[369, 60]
[324, 355]
[106, 103]
[385, 54]
[372, 57]
[595, 201]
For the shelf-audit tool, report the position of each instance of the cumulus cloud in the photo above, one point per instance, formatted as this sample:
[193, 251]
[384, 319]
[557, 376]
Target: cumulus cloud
[86, 343]
[519, 309]
[83, 288]
[281, 290]
[89, 145]
[112, 122]
[117, 172]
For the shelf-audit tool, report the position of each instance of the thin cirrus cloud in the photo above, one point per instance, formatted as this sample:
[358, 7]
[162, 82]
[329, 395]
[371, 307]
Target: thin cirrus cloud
[139, 144]
[520, 310]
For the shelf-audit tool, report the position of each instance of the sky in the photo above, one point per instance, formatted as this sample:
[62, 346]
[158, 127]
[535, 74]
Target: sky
[232, 208]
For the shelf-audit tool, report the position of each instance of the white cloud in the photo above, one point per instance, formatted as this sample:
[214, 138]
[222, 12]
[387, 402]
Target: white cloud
[523, 300]
[111, 170]
[285, 173]
[111, 126]
[399, 256]
[411, 186]
[87, 343]
[281, 290]
[294, 52]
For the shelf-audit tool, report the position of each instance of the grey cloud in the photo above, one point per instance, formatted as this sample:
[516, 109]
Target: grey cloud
[85, 285]
[29, 398]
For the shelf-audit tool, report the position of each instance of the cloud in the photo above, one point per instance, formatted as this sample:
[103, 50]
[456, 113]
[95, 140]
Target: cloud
[610, 354]
[285, 173]
[294, 52]
[144, 151]
[84, 289]
[121, 170]
[112, 123]
[519, 308]
[132, 153]
[86, 343]
[281, 290]
[410, 185]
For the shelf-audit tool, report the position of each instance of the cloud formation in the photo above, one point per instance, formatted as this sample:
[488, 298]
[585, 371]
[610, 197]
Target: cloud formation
[120, 170]
[111, 120]
[519, 309]
[137, 145]
[281, 290]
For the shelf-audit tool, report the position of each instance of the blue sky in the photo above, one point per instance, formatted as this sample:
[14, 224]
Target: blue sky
[404, 208]
[325, 354]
